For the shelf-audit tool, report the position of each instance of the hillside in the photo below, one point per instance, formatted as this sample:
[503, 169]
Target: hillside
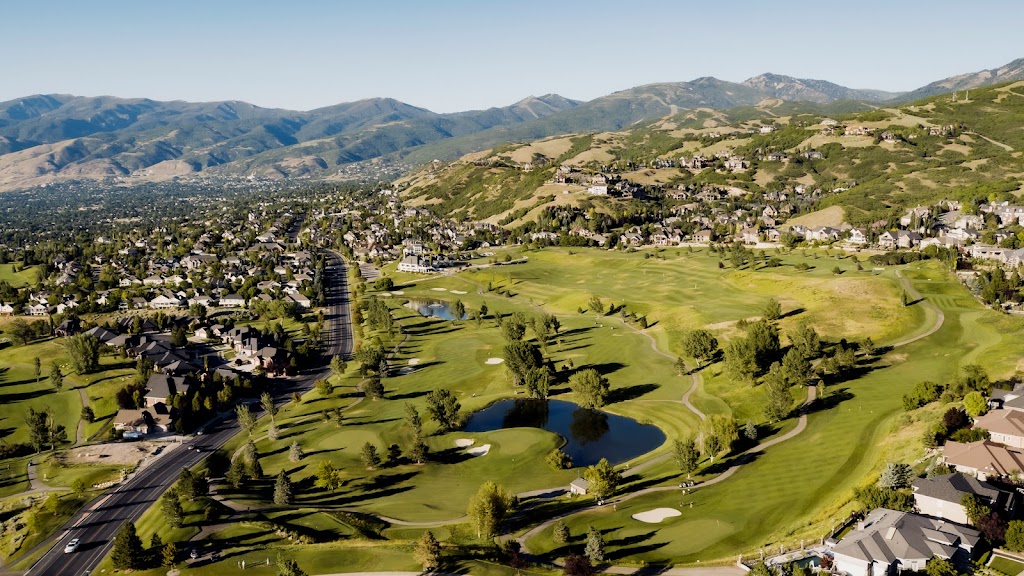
[889, 159]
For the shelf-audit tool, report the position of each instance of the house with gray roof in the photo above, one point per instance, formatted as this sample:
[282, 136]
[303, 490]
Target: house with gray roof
[887, 542]
[941, 497]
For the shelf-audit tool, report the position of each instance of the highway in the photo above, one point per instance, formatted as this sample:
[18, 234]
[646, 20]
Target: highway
[96, 527]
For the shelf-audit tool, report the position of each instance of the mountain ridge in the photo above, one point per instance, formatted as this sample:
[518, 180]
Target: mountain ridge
[54, 137]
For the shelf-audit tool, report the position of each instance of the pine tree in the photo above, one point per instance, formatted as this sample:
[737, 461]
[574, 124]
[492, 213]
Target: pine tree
[428, 551]
[127, 553]
[169, 554]
[595, 546]
[282, 489]
[560, 533]
[295, 453]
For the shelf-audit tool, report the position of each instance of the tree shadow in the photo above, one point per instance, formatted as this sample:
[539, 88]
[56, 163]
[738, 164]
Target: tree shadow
[831, 399]
[603, 368]
[794, 312]
[631, 392]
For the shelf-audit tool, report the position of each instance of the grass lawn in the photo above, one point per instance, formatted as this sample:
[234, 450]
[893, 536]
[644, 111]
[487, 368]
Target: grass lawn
[802, 485]
[18, 279]
[1006, 566]
[64, 476]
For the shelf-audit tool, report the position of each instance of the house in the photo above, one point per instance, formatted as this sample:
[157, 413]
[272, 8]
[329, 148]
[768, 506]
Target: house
[141, 422]
[1006, 426]
[983, 459]
[413, 263]
[69, 327]
[598, 190]
[906, 239]
[160, 387]
[942, 497]
[37, 309]
[300, 299]
[702, 236]
[579, 486]
[888, 542]
[887, 240]
[232, 301]
[166, 302]
[102, 334]
[6, 309]
[857, 236]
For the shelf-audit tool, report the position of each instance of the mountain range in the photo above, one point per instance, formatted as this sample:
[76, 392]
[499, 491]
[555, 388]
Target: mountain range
[51, 138]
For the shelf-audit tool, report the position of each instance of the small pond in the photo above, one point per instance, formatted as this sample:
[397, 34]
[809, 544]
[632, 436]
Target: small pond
[590, 434]
[436, 308]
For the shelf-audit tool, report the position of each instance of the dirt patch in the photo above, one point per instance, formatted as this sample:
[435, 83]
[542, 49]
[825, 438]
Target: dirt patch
[127, 453]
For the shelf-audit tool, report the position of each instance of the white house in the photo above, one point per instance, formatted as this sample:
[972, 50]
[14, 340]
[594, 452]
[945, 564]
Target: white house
[232, 301]
[598, 190]
[413, 263]
[579, 486]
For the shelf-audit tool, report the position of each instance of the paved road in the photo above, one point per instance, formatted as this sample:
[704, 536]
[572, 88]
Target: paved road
[96, 527]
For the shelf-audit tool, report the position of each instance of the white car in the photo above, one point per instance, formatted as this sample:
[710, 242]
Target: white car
[72, 546]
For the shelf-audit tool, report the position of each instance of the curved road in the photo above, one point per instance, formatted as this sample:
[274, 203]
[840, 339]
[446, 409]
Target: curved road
[97, 526]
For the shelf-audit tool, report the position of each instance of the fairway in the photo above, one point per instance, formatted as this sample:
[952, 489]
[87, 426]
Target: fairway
[798, 488]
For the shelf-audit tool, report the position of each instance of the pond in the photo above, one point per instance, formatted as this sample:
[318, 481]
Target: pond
[589, 434]
[436, 308]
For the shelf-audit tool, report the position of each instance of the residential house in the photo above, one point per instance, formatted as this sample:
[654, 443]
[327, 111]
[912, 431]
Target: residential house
[160, 387]
[1006, 426]
[579, 486]
[887, 240]
[857, 236]
[983, 459]
[888, 542]
[6, 309]
[942, 497]
[413, 263]
[232, 301]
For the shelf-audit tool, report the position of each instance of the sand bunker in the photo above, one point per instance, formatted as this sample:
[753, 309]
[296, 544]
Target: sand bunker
[479, 450]
[494, 361]
[457, 292]
[385, 294]
[657, 515]
[465, 442]
[397, 292]
[414, 361]
[439, 289]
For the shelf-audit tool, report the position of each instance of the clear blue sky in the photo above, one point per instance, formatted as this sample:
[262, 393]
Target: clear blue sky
[458, 55]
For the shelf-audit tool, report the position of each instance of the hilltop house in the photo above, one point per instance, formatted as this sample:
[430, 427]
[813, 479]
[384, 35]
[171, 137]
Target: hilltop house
[983, 459]
[888, 542]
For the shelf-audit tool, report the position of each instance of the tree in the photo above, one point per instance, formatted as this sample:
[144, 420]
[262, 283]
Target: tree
[560, 533]
[412, 419]
[174, 514]
[1015, 535]
[84, 351]
[127, 552]
[384, 284]
[603, 478]
[338, 365]
[763, 338]
[443, 408]
[427, 551]
[589, 388]
[267, 402]
[21, 332]
[576, 565]
[687, 455]
[246, 419]
[288, 567]
[538, 383]
[295, 453]
[940, 567]
[520, 359]
[458, 311]
[595, 546]
[700, 345]
[236, 473]
[975, 404]
[778, 402]
[717, 433]
[558, 460]
[374, 388]
[595, 305]
[56, 376]
[750, 431]
[169, 555]
[179, 338]
[324, 388]
[327, 476]
[191, 485]
[973, 509]
[795, 367]
[87, 414]
[772, 310]
[40, 428]
[487, 508]
[896, 476]
[740, 360]
[282, 489]
[904, 299]
[371, 459]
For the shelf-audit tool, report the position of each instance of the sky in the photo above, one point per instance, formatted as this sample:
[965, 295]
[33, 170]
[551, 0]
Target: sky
[449, 56]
